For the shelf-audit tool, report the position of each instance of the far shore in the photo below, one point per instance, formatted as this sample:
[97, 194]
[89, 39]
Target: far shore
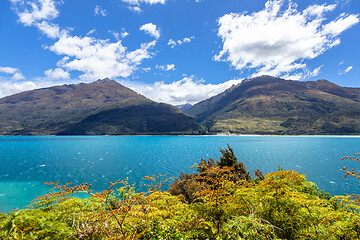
[192, 135]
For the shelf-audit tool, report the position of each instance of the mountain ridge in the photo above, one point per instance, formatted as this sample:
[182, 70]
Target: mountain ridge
[270, 105]
[56, 110]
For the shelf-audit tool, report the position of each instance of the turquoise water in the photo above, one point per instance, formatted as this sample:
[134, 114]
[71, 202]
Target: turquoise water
[27, 162]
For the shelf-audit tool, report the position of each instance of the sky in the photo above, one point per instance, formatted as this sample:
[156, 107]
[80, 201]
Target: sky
[176, 51]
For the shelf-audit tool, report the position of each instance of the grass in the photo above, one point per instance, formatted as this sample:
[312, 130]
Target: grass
[248, 125]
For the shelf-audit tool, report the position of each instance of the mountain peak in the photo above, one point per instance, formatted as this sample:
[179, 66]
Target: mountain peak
[104, 80]
[271, 105]
[100, 107]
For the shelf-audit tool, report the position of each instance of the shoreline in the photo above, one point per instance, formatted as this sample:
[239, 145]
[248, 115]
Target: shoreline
[193, 135]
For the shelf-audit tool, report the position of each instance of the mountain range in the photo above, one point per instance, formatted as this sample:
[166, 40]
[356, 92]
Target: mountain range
[261, 105]
[103, 107]
[269, 105]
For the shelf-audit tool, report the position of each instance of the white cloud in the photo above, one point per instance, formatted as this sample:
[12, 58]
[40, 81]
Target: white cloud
[186, 90]
[151, 29]
[306, 73]
[316, 71]
[62, 61]
[57, 73]
[38, 13]
[115, 34]
[15, 72]
[168, 67]
[8, 88]
[35, 11]
[138, 2]
[342, 23]
[348, 69]
[98, 58]
[90, 32]
[18, 76]
[124, 34]
[100, 11]
[49, 29]
[275, 41]
[172, 43]
[135, 9]
[9, 70]
[95, 58]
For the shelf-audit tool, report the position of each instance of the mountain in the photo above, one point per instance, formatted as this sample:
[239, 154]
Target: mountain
[102, 107]
[269, 105]
[184, 107]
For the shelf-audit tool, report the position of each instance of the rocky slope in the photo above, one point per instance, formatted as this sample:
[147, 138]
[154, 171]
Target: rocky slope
[268, 105]
[102, 107]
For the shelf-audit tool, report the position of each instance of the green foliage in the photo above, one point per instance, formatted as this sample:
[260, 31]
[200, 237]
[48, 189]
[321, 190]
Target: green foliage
[228, 159]
[189, 185]
[278, 205]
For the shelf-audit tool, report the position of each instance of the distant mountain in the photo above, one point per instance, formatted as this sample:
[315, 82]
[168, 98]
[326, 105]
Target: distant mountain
[269, 105]
[102, 107]
[184, 107]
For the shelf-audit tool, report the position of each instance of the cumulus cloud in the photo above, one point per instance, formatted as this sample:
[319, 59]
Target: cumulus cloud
[151, 29]
[11, 87]
[7, 88]
[9, 70]
[31, 12]
[95, 58]
[173, 43]
[186, 90]
[15, 72]
[57, 73]
[18, 76]
[49, 29]
[98, 58]
[277, 39]
[100, 11]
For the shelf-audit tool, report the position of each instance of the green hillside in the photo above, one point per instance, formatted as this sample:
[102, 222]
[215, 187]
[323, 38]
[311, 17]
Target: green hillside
[268, 105]
[102, 107]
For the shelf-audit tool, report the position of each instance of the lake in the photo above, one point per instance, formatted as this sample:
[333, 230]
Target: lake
[26, 162]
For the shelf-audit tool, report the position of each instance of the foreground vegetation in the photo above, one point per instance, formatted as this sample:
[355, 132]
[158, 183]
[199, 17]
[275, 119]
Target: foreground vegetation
[219, 201]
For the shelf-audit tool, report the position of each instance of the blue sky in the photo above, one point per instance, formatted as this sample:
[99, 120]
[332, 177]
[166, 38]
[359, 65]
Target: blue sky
[176, 51]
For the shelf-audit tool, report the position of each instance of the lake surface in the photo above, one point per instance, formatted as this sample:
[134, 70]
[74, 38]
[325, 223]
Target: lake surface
[27, 162]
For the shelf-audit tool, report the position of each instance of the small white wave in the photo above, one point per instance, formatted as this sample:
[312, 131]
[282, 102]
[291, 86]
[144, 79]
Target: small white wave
[332, 182]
